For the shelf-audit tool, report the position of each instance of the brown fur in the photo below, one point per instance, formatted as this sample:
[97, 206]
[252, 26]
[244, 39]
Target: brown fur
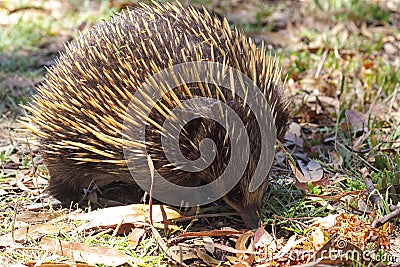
[78, 111]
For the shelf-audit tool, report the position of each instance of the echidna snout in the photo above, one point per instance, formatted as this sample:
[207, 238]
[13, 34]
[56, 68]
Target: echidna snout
[79, 110]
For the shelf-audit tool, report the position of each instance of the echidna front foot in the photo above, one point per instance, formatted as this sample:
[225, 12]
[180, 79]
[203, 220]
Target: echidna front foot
[67, 182]
[63, 190]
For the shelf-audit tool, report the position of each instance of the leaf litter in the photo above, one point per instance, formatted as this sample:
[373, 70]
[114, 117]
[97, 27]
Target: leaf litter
[334, 113]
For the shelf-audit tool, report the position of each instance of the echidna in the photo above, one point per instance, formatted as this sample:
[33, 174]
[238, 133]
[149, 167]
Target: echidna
[78, 112]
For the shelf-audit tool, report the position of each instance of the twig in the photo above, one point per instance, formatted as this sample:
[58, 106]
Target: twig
[374, 197]
[321, 63]
[151, 167]
[358, 156]
[164, 246]
[198, 216]
[296, 220]
[381, 221]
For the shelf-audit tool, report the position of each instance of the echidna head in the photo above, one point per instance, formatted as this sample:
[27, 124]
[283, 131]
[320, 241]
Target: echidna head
[240, 197]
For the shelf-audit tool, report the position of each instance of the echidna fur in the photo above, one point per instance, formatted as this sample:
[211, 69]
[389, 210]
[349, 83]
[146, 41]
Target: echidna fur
[78, 111]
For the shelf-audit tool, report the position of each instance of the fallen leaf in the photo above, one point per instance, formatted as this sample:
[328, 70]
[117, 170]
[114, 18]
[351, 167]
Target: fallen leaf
[23, 178]
[294, 134]
[135, 236]
[263, 239]
[292, 242]
[305, 186]
[336, 159]
[209, 244]
[86, 253]
[210, 261]
[233, 250]
[243, 240]
[297, 173]
[33, 232]
[209, 233]
[163, 245]
[135, 213]
[241, 245]
[317, 238]
[34, 217]
[327, 222]
[312, 172]
[356, 121]
[50, 264]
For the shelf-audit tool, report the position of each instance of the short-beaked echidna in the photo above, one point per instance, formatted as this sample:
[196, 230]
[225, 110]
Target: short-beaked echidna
[79, 110]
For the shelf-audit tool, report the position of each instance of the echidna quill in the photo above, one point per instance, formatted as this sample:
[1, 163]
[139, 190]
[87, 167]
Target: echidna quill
[78, 112]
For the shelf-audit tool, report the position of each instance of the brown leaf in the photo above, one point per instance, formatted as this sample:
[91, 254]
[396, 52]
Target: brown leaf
[86, 253]
[36, 231]
[297, 173]
[263, 239]
[135, 213]
[356, 121]
[312, 172]
[34, 217]
[241, 245]
[135, 236]
[23, 178]
[233, 250]
[279, 38]
[319, 84]
[292, 242]
[304, 186]
[163, 245]
[54, 264]
[242, 241]
[209, 233]
[210, 261]
[336, 159]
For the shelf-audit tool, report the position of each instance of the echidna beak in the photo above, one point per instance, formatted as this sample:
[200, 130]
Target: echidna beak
[250, 217]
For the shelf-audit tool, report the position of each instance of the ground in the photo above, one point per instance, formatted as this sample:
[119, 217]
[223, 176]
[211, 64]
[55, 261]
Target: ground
[333, 194]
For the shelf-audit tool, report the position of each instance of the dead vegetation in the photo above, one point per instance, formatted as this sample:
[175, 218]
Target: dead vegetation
[333, 197]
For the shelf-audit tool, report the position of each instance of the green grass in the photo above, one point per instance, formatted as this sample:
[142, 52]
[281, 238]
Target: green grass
[355, 9]
[25, 43]
[358, 73]
[359, 77]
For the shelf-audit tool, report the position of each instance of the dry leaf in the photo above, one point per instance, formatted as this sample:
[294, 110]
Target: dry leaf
[233, 250]
[49, 264]
[209, 233]
[135, 213]
[209, 244]
[297, 173]
[292, 242]
[242, 241]
[210, 261]
[36, 231]
[263, 239]
[356, 120]
[86, 253]
[312, 172]
[163, 245]
[327, 222]
[135, 236]
[317, 238]
[34, 217]
[241, 245]
[294, 134]
[23, 178]
[336, 159]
